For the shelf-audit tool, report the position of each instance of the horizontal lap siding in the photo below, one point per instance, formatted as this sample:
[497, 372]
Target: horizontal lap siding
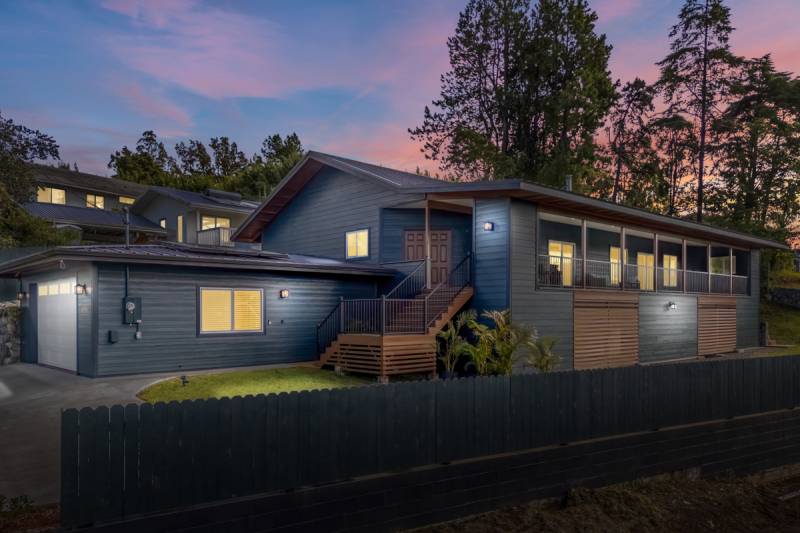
[332, 203]
[491, 255]
[747, 308]
[169, 328]
[549, 311]
[667, 333]
[396, 221]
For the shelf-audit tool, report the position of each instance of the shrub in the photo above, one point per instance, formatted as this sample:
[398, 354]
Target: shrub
[453, 345]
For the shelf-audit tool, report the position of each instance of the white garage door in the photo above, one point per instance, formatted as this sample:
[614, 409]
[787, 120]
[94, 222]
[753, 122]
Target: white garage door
[57, 324]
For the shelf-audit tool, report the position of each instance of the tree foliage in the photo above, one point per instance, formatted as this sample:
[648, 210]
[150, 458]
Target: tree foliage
[527, 89]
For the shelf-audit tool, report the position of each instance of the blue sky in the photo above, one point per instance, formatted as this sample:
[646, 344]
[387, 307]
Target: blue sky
[348, 77]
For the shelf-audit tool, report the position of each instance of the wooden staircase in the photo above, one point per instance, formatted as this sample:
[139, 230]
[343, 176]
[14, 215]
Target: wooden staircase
[393, 353]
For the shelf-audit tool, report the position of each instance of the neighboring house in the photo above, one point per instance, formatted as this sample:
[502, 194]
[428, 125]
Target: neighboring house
[91, 204]
[615, 285]
[206, 218]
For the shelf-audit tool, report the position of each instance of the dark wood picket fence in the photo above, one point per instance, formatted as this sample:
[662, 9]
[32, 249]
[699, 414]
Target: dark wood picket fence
[126, 460]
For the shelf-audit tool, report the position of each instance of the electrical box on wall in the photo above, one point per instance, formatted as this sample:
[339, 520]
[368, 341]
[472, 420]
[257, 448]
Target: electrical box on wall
[131, 310]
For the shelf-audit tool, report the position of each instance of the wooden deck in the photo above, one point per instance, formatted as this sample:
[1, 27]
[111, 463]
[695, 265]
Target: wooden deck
[391, 354]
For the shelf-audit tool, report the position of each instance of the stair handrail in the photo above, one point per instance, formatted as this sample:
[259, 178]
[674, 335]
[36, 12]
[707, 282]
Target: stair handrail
[411, 281]
[464, 264]
[329, 327]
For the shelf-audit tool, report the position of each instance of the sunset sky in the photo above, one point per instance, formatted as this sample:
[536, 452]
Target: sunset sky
[348, 77]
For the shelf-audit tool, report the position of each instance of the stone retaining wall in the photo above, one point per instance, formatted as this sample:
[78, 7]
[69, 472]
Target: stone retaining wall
[790, 297]
[9, 333]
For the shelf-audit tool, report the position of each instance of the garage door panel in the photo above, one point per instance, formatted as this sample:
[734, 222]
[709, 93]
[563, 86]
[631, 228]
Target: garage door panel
[57, 324]
[606, 330]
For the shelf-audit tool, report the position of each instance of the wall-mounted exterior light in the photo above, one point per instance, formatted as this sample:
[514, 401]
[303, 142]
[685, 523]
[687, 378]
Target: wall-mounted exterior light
[22, 295]
[284, 293]
[80, 290]
[488, 226]
[671, 306]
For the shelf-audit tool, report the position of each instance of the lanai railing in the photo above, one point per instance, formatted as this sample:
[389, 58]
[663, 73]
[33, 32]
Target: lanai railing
[408, 309]
[573, 273]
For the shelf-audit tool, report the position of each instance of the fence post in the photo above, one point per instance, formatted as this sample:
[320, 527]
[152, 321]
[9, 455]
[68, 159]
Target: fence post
[383, 314]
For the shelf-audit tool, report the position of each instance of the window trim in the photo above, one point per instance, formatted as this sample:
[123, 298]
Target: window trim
[357, 257]
[232, 332]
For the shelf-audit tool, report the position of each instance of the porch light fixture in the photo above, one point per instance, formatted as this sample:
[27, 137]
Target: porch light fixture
[284, 293]
[488, 226]
[21, 295]
[671, 306]
[80, 290]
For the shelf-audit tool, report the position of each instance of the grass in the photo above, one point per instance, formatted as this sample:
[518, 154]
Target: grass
[242, 383]
[783, 322]
[788, 279]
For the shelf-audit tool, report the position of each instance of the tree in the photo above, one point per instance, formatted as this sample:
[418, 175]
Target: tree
[693, 75]
[525, 93]
[759, 149]
[20, 228]
[149, 164]
[194, 158]
[629, 145]
[676, 148]
[228, 159]
[277, 157]
[20, 146]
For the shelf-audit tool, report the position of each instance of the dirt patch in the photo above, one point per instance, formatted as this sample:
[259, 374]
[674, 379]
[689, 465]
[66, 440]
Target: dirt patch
[29, 518]
[677, 502]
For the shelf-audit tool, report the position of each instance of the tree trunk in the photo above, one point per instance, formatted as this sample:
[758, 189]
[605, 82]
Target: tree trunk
[703, 113]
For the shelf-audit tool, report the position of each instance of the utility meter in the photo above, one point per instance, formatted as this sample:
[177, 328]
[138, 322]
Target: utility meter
[131, 310]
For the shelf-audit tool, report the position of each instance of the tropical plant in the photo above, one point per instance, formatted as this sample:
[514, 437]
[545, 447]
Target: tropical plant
[453, 345]
[498, 345]
[541, 356]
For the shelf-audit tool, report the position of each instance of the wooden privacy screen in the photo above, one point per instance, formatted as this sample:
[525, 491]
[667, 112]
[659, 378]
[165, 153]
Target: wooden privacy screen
[606, 329]
[716, 325]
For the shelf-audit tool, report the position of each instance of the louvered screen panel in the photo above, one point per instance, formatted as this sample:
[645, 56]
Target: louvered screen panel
[606, 329]
[716, 325]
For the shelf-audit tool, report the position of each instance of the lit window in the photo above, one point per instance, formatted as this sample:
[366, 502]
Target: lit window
[163, 223]
[646, 270]
[670, 270]
[231, 310]
[561, 255]
[180, 228]
[357, 243]
[616, 265]
[51, 195]
[95, 201]
[207, 222]
[127, 200]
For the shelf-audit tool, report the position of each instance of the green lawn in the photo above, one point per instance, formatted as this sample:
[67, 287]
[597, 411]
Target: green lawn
[783, 322]
[241, 383]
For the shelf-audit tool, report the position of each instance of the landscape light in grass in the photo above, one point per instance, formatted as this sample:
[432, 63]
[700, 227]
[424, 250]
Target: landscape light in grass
[184, 380]
[488, 226]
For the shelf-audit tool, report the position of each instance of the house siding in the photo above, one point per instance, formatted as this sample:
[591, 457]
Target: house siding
[170, 340]
[332, 203]
[549, 311]
[491, 262]
[395, 221]
[667, 333]
[748, 318]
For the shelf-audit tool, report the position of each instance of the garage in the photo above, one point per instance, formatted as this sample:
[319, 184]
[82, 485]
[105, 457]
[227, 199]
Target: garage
[716, 325]
[56, 318]
[606, 329]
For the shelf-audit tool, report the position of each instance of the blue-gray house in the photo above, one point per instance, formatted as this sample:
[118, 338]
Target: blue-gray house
[359, 266]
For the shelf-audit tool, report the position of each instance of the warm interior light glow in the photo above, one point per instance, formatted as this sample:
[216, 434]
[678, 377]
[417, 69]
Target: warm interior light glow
[488, 226]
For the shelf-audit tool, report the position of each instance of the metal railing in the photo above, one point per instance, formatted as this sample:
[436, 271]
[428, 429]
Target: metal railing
[571, 273]
[328, 329]
[442, 295]
[215, 237]
[411, 285]
[361, 316]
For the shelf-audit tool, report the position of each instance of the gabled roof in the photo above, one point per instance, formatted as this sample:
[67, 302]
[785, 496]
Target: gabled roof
[88, 182]
[185, 255]
[89, 217]
[307, 168]
[302, 173]
[220, 200]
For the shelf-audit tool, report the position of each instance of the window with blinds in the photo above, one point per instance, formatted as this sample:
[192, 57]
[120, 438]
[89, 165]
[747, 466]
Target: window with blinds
[357, 244]
[231, 310]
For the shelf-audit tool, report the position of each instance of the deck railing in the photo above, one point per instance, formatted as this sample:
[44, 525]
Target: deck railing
[329, 328]
[572, 273]
[215, 237]
[411, 285]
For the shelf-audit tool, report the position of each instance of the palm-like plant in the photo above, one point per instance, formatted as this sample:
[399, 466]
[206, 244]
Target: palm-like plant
[453, 345]
[498, 346]
[541, 356]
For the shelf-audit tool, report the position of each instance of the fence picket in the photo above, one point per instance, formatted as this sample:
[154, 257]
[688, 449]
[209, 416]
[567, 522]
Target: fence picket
[142, 458]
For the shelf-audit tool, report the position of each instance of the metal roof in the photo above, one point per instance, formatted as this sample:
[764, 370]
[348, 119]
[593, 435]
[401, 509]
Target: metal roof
[188, 255]
[89, 182]
[307, 168]
[213, 199]
[90, 217]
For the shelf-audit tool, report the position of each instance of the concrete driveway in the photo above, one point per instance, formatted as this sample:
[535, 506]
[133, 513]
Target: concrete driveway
[31, 399]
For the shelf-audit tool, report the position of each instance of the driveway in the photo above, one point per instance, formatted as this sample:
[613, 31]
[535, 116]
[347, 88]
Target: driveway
[31, 399]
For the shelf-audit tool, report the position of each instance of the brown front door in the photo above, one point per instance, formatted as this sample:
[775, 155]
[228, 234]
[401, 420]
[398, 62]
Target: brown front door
[414, 250]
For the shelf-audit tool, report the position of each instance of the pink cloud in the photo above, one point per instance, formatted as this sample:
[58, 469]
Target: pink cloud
[150, 103]
[609, 10]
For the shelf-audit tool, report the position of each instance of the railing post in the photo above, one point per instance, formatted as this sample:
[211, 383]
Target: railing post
[583, 253]
[683, 262]
[341, 314]
[730, 270]
[425, 315]
[623, 267]
[655, 263]
[383, 314]
[708, 266]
